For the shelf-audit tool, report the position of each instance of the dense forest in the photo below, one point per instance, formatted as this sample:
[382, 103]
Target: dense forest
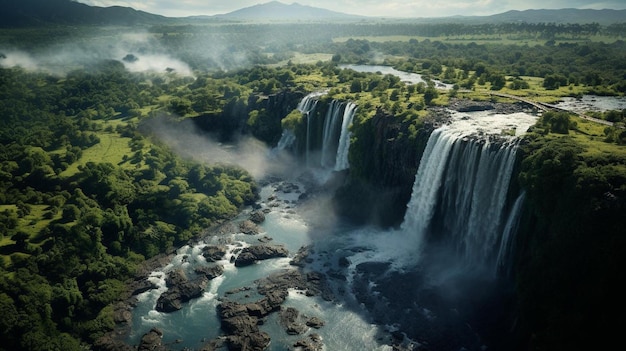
[88, 192]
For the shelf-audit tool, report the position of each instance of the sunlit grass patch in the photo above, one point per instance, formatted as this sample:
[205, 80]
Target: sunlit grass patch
[112, 148]
[595, 147]
[302, 58]
[34, 222]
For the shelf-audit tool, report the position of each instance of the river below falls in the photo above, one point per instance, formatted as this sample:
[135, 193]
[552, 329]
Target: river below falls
[347, 325]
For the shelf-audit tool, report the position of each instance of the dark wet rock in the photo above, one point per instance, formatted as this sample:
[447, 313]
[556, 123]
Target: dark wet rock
[151, 341]
[292, 322]
[142, 285]
[252, 254]
[265, 239]
[214, 344]
[257, 217]
[315, 322]
[214, 253]
[252, 342]
[464, 105]
[343, 262]
[240, 322]
[312, 283]
[311, 343]
[180, 290]
[299, 259]
[249, 227]
[175, 277]
[210, 272]
[472, 106]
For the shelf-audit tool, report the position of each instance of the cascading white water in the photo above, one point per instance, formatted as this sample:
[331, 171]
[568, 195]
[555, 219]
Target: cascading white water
[335, 138]
[508, 235]
[343, 148]
[286, 140]
[461, 186]
[428, 180]
[330, 135]
[306, 107]
[475, 194]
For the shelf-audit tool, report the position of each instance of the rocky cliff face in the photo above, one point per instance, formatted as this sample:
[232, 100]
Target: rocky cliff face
[260, 116]
[383, 161]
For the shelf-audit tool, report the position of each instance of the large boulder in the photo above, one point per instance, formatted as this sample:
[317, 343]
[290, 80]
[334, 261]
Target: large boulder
[151, 341]
[291, 321]
[252, 254]
[242, 327]
[249, 227]
[313, 342]
[210, 272]
[257, 217]
[181, 290]
[214, 253]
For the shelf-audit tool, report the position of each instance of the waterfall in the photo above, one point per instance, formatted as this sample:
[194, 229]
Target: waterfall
[428, 180]
[330, 136]
[307, 104]
[508, 235]
[474, 196]
[306, 107]
[335, 134]
[287, 139]
[341, 161]
[460, 192]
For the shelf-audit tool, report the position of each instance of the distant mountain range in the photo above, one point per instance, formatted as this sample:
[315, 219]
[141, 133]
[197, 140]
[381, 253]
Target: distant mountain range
[28, 13]
[277, 11]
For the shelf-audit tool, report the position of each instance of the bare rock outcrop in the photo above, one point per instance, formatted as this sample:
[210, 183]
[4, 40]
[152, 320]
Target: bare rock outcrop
[252, 254]
[181, 290]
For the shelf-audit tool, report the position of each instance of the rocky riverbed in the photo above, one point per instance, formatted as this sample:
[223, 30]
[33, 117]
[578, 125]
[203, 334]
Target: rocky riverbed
[240, 314]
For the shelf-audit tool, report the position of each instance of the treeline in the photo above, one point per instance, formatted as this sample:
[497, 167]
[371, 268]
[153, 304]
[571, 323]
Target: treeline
[597, 65]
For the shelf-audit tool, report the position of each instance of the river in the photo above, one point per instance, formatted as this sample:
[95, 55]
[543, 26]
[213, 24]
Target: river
[198, 322]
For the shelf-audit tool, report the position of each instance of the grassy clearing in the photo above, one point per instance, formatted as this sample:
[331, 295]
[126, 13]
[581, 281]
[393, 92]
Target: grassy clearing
[301, 58]
[313, 81]
[34, 222]
[111, 149]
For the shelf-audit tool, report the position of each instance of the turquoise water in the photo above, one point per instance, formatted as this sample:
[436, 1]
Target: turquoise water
[345, 327]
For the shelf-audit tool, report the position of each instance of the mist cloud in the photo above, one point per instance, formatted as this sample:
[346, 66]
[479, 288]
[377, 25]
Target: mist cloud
[248, 153]
[61, 58]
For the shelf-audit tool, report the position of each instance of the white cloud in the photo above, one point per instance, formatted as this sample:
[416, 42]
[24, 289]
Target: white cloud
[394, 8]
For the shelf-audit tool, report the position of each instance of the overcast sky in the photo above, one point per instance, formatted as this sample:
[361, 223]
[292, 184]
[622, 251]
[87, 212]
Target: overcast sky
[389, 8]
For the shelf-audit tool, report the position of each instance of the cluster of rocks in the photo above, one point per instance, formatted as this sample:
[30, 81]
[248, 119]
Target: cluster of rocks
[296, 323]
[240, 321]
[465, 105]
[180, 290]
